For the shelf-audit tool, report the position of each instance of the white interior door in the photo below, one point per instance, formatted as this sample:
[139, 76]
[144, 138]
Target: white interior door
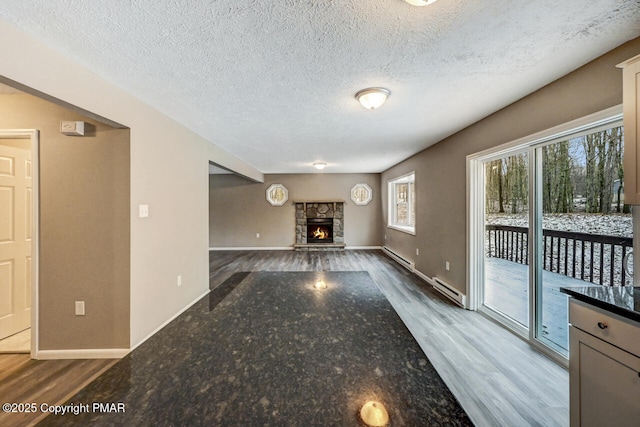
[16, 234]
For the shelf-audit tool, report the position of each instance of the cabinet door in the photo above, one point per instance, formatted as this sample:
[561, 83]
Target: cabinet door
[604, 381]
[631, 111]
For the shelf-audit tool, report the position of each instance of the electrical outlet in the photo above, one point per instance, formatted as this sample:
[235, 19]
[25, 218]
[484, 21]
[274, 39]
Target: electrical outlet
[257, 235]
[417, 251]
[79, 308]
[143, 211]
[447, 266]
[180, 280]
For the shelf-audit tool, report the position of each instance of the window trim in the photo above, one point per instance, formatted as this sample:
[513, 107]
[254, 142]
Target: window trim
[391, 198]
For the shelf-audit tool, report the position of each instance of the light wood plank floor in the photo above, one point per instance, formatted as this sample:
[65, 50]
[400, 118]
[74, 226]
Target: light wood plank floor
[498, 379]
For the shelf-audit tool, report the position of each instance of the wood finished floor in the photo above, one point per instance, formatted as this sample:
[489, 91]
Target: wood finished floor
[23, 380]
[499, 379]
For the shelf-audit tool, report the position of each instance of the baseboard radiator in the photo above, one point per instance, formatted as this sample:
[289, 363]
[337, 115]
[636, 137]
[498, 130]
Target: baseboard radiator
[410, 265]
[449, 291]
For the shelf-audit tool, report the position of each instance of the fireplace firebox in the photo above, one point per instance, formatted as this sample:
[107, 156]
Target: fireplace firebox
[319, 230]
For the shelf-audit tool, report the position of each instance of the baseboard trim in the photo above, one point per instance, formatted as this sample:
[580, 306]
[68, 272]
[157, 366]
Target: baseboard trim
[171, 319]
[285, 248]
[93, 353]
[248, 248]
[422, 276]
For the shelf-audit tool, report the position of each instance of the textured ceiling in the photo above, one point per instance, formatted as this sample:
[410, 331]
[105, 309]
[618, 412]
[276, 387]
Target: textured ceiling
[273, 81]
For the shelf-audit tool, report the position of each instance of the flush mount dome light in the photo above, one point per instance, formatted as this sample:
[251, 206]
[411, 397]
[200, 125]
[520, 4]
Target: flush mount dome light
[373, 97]
[319, 165]
[420, 2]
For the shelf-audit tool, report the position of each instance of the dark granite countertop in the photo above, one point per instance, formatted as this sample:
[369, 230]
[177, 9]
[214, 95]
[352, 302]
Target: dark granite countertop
[621, 300]
[271, 349]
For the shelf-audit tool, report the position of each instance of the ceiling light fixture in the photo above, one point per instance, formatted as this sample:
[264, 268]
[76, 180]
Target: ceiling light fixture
[319, 165]
[420, 2]
[373, 97]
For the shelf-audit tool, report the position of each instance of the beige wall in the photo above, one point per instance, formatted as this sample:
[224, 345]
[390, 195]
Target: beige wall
[169, 172]
[441, 169]
[238, 209]
[84, 226]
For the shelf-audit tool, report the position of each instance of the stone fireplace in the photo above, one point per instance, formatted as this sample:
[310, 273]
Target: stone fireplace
[319, 225]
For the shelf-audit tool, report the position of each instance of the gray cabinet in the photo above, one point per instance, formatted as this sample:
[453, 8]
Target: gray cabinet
[604, 367]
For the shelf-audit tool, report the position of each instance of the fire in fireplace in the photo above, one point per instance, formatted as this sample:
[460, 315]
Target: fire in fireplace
[319, 230]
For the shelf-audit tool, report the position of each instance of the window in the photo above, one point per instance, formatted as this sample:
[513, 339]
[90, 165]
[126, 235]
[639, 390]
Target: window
[402, 206]
[277, 194]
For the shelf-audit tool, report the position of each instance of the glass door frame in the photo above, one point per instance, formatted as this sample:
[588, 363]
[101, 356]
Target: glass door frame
[511, 324]
[476, 219]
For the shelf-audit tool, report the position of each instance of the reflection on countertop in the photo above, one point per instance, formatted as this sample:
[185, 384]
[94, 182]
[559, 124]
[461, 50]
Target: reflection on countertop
[621, 300]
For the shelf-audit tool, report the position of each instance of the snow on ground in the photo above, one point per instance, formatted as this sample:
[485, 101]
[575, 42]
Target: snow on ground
[619, 225]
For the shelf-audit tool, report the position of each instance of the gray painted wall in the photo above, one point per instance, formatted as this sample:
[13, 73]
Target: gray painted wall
[441, 168]
[84, 226]
[238, 209]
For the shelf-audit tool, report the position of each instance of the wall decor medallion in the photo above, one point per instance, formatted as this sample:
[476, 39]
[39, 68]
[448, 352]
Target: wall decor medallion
[277, 194]
[361, 194]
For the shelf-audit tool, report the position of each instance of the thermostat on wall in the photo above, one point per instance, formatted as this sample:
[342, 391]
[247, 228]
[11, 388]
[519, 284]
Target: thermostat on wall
[72, 128]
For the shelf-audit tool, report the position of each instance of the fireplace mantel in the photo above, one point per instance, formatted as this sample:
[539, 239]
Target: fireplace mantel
[305, 202]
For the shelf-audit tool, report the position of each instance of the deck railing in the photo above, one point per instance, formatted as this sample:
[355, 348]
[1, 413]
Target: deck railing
[590, 257]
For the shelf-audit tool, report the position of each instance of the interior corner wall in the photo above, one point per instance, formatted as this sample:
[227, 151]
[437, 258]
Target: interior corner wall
[441, 168]
[238, 209]
[84, 226]
[168, 172]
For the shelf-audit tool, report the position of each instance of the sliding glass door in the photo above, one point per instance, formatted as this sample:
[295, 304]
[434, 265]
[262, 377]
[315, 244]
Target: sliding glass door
[585, 230]
[546, 214]
[506, 236]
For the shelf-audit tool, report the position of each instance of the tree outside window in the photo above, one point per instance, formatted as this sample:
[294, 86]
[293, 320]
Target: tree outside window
[402, 203]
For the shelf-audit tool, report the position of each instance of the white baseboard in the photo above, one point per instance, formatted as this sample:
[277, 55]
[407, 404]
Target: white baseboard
[106, 353]
[423, 276]
[155, 331]
[248, 248]
[283, 248]
[93, 353]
